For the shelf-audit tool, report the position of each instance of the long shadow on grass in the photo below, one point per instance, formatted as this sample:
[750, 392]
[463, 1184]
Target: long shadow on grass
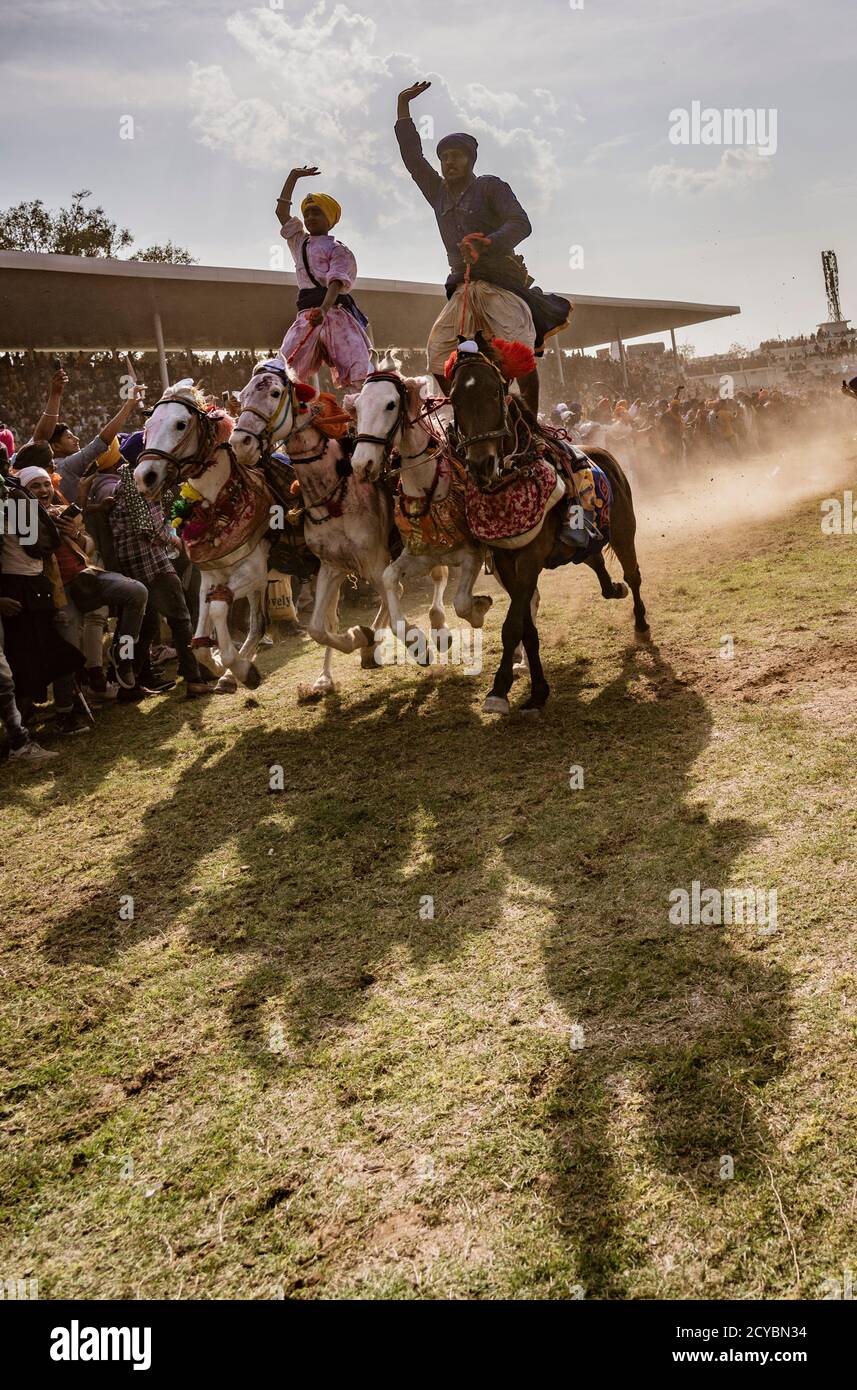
[406, 791]
[672, 1031]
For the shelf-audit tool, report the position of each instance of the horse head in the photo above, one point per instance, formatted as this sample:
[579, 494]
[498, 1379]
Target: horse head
[182, 433]
[480, 372]
[268, 407]
[384, 407]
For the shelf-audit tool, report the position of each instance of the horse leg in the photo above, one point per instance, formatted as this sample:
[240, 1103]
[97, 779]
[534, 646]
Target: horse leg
[256, 631]
[522, 665]
[227, 650]
[201, 637]
[472, 607]
[391, 581]
[321, 628]
[622, 544]
[539, 688]
[520, 598]
[437, 617]
[608, 588]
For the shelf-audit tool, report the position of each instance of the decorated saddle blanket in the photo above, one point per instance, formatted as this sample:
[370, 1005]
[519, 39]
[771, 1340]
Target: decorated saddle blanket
[441, 525]
[603, 500]
[512, 515]
[227, 529]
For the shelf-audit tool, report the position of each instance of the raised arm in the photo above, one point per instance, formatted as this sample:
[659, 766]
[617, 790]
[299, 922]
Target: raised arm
[51, 413]
[109, 431]
[284, 202]
[424, 175]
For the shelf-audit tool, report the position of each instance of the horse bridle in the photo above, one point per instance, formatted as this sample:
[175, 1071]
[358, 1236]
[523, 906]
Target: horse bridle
[265, 436]
[399, 421]
[195, 464]
[464, 441]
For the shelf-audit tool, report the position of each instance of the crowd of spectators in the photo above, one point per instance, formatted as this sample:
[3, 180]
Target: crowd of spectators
[97, 595]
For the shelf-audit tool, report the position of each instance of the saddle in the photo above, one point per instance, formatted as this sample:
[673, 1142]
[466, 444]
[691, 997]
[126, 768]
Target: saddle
[513, 514]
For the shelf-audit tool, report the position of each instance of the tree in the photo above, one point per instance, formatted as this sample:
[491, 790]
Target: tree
[75, 231]
[71, 231]
[167, 254]
[737, 350]
[686, 352]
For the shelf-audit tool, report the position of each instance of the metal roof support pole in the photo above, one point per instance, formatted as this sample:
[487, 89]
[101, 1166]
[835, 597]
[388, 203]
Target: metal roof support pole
[622, 359]
[162, 356]
[558, 350]
[675, 349]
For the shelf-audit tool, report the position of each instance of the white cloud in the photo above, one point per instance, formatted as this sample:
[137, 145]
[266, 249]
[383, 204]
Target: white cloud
[330, 97]
[736, 169]
[597, 153]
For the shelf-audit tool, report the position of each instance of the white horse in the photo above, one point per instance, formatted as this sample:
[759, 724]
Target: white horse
[390, 412]
[187, 441]
[347, 524]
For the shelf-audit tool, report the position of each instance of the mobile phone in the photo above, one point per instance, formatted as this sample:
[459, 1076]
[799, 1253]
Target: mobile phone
[71, 511]
[56, 362]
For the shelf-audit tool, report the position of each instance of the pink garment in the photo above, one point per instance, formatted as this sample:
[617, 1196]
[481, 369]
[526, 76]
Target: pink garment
[340, 341]
[328, 258]
[7, 438]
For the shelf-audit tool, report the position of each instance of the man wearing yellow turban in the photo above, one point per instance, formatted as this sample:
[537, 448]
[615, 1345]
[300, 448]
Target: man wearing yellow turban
[329, 326]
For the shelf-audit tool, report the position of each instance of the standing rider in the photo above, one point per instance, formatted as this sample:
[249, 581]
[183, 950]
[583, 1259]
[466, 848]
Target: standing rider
[480, 222]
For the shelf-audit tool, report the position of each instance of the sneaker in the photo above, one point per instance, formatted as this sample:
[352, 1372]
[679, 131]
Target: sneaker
[161, 653]
[157, 685]
[69, 722]
[30, 752]
[124, 672]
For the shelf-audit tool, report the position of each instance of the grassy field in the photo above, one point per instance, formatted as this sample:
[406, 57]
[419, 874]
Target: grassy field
[284, 1078]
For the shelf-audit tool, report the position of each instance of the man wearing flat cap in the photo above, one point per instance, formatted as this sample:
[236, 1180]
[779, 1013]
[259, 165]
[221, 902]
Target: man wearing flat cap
[480, 222]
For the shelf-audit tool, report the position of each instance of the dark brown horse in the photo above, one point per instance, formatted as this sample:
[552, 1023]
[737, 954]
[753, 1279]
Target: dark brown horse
[494, 433]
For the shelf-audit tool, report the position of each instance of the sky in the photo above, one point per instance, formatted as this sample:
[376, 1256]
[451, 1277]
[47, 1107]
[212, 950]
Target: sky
[571, 102]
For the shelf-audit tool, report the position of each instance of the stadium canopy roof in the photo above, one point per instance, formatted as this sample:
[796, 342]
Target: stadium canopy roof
[77, 303]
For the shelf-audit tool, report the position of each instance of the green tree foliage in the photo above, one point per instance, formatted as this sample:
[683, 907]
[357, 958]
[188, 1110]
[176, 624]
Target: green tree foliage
[77, 230]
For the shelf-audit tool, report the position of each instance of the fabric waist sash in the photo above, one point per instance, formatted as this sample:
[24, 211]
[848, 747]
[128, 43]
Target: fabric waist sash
[313, 298]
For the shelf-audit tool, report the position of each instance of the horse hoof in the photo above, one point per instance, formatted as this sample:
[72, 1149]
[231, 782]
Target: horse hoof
[310, 694]
[253, 678]
[619, 591]
[495, 704]
[531, 709]
[520, 668]
[643, 639]
[227, 685]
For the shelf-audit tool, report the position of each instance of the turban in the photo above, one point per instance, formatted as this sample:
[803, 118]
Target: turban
[29, 475]
[329, 206]
[109, 460]
[132, 447]
[459, 141]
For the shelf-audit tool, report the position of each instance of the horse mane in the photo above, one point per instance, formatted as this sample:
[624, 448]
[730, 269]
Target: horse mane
[188, 392]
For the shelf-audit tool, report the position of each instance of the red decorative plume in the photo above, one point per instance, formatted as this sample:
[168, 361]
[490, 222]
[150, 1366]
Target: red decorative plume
[514, 359]
[304, 391]
[450, 363]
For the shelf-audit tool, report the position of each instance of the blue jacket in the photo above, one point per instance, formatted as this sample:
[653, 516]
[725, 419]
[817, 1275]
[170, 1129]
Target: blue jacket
[485, 204]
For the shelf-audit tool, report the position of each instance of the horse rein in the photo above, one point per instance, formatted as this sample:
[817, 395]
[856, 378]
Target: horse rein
[400, 420]
[195, 465]
[265, 436]
[510, 428]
